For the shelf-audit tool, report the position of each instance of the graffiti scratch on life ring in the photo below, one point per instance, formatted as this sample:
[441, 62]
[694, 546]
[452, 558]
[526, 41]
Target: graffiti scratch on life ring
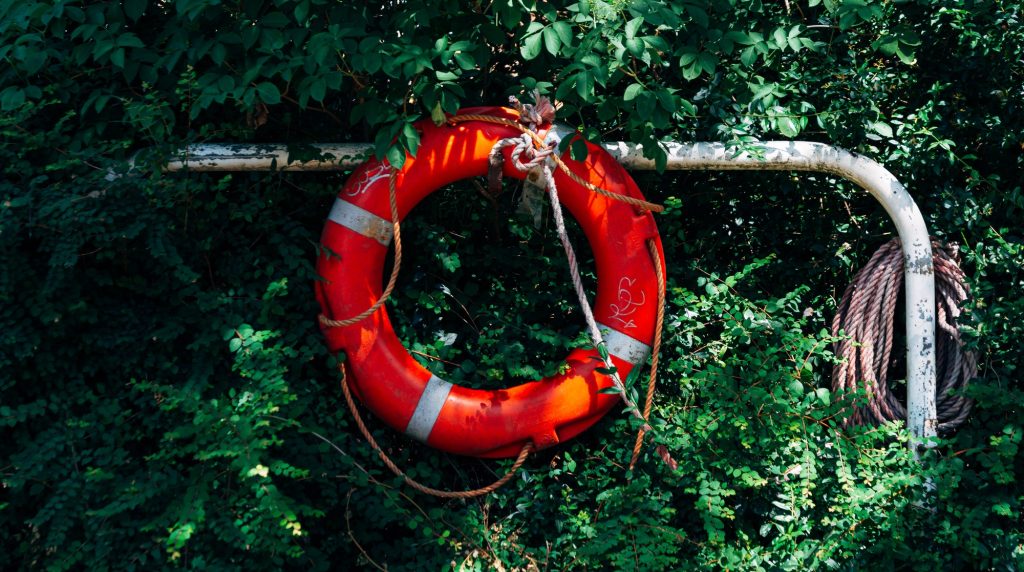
[368, 178]
[627, 302]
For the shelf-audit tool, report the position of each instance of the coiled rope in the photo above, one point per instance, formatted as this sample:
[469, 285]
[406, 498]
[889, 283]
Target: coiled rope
[866, 314]
[533, 146]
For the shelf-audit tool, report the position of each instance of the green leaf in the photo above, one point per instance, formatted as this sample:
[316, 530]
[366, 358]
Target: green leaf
[274, 20]
[578, 149]
[882, 128]
[396, 156]
[636, 47]
[410, 138]
[551, 41]
[632, 91]
[318, 89]
[117, 57]
[824, 395]
[585, 85]
[134, 8]
[633, 26]
[465, 60]
[268, 93]
[707, 62]
[33, 61]
[749, 57]
[301, 11]
[564, 31]
[129, 40]
[691, 72]
[788, 126]
[11, 98]
[437, 115]
[907, 54]
[531, 42]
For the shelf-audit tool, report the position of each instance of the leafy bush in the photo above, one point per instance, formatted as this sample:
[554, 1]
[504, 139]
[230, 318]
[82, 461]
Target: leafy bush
[168, 400]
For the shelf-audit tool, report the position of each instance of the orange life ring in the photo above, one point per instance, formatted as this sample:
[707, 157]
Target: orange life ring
[484, 423]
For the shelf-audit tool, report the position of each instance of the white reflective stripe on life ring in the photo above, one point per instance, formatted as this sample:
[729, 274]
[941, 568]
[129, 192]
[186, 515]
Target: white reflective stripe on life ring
[362, 221]
[624, 346]
[428, 408]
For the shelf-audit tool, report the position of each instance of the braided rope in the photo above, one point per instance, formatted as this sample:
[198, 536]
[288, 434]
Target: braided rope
[867, 313]
[395, 267]
[527, 448]
[539, 142]
[652, 378]
[581, 294]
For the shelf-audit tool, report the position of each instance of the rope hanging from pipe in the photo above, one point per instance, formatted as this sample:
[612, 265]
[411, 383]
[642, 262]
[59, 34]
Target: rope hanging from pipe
[866, 314]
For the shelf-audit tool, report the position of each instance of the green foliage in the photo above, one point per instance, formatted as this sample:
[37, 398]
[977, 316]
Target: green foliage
[167, 400]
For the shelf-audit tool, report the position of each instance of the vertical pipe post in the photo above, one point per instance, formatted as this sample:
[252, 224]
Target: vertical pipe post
[881, 184]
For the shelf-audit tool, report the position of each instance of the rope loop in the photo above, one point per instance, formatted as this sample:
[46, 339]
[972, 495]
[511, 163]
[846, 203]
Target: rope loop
[396, 266]
[398, 472]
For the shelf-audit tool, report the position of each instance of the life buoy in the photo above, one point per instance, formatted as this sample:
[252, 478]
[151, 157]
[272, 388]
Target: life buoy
[484, 423]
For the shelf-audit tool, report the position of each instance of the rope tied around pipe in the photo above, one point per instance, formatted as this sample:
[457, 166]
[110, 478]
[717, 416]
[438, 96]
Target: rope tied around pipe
[867, 313]
[539, 158]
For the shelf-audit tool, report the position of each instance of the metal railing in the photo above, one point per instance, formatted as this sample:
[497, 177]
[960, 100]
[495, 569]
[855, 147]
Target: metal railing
[771, 156]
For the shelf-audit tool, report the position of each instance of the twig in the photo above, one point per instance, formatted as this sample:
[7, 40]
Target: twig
[352, 537]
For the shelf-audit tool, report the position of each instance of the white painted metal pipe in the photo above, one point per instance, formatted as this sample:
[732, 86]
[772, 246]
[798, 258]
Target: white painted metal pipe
[769, 156]
[267, 157]
[917, 251]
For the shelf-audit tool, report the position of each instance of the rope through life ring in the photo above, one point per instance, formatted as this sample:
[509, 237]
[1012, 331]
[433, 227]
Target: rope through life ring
[484, 423]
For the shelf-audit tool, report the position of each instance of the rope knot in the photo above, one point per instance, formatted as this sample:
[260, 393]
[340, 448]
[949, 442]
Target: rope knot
[535, 156]
[541, 112]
